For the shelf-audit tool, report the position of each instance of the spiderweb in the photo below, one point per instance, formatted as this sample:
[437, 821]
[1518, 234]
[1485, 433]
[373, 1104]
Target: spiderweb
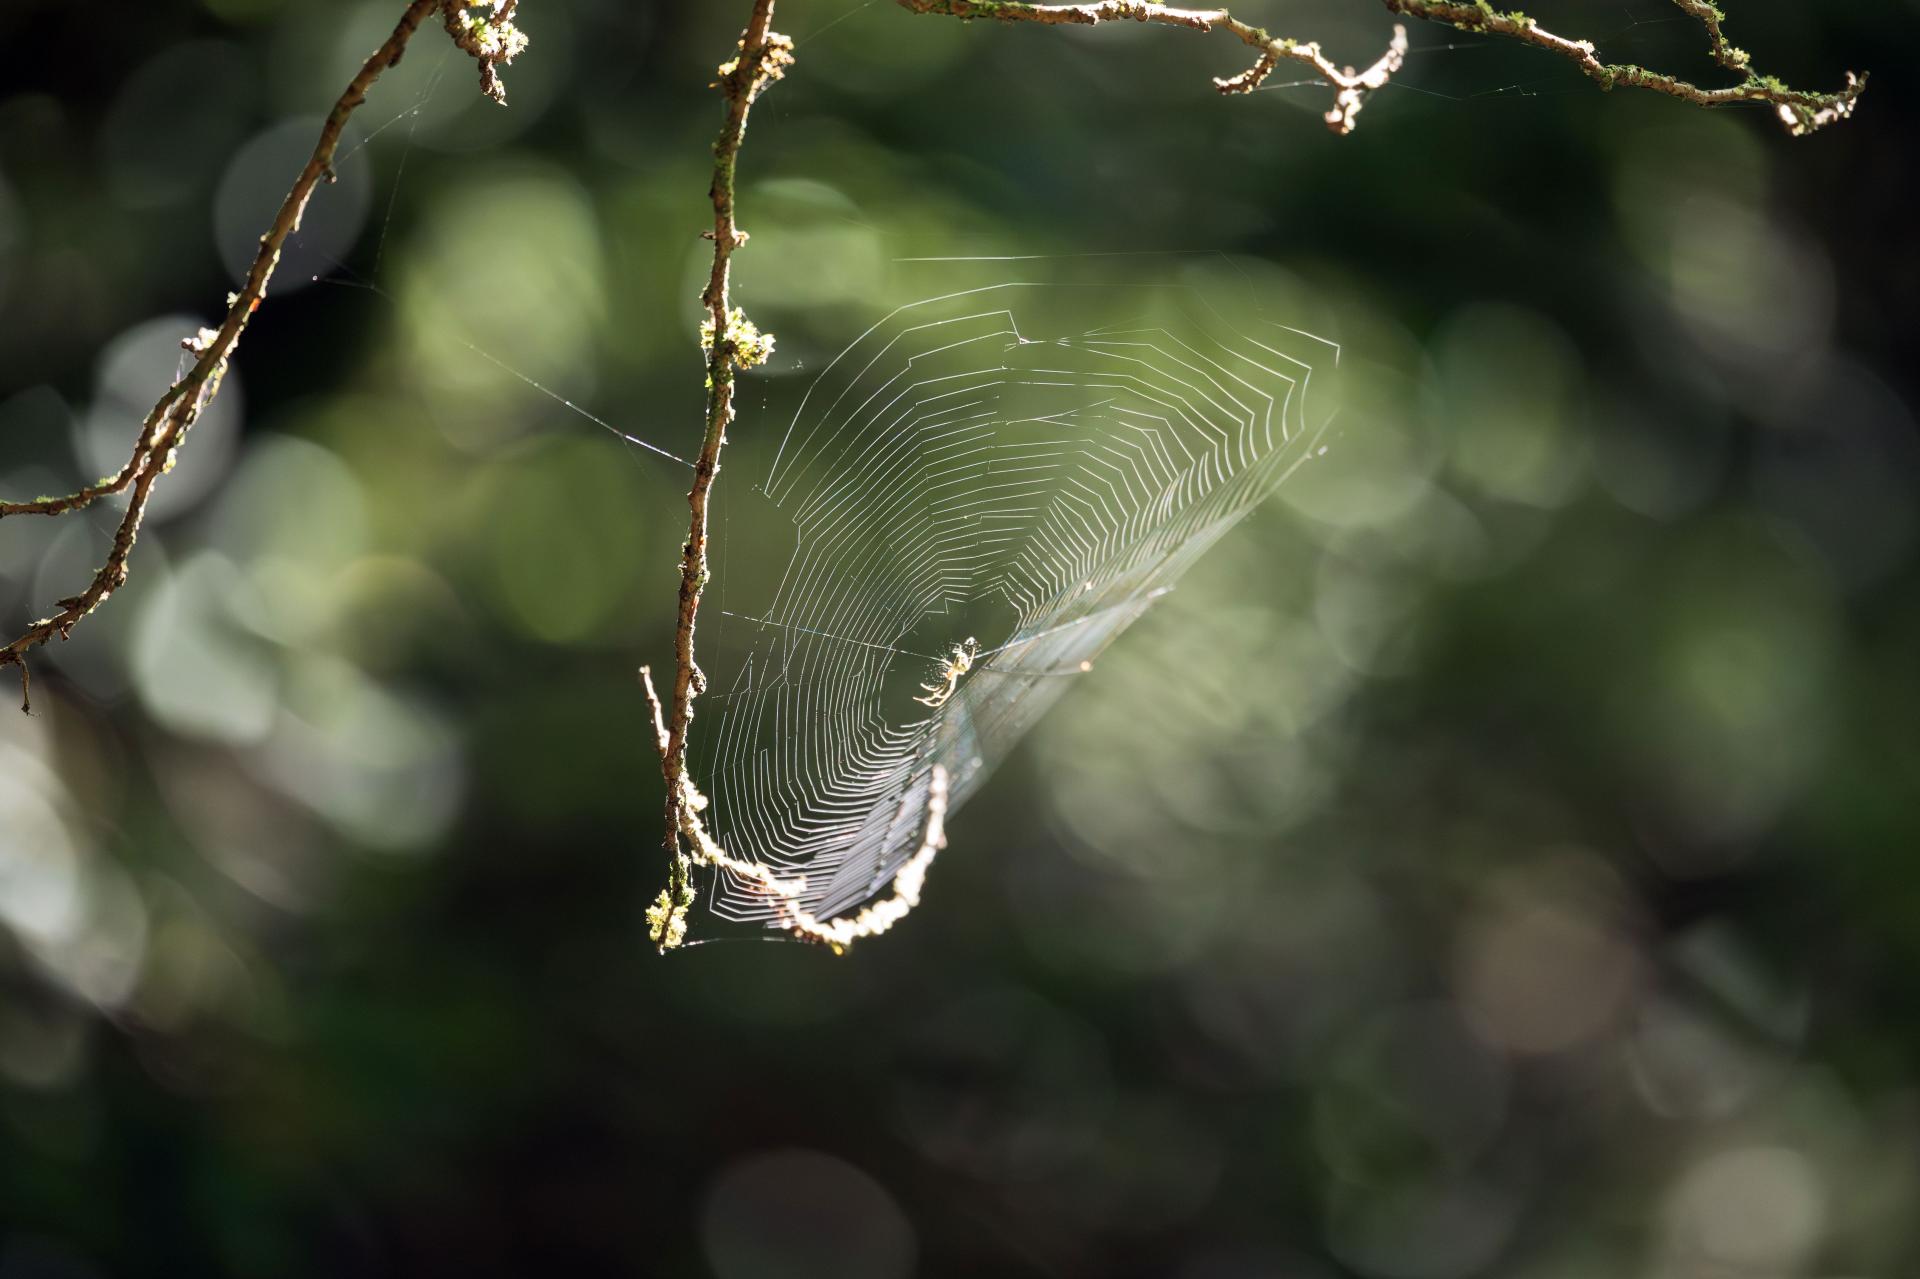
[978, 496]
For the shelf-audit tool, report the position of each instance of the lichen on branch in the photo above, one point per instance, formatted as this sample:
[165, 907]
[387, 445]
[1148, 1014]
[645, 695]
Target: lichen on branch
[485, 29]
[731, 343]
[1801, 112]
[747, 345]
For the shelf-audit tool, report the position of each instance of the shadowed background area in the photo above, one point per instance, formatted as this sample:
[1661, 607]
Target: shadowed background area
[1496, 858]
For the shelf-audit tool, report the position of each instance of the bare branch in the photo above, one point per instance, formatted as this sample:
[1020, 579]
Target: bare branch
[93, 492]
[1799, 111]
[653, 704]
[1351, 87]
[732, 343]
[166, 426]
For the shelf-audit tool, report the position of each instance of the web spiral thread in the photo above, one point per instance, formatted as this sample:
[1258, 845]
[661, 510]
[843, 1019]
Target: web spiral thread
[984, 490]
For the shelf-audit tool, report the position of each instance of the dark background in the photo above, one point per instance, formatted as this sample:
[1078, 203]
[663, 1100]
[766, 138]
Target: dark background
[1496, 859]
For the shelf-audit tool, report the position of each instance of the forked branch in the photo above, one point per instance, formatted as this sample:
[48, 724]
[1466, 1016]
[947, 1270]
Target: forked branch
[492, 39]
[1799, 111]
[1350, 86]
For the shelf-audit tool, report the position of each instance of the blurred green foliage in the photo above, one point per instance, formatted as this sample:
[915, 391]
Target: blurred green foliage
[1497, 858]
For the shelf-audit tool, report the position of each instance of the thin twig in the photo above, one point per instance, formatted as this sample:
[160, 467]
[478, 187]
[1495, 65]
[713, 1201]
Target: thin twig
[1710, 17]
[1799, 111]
[1351, 86]
[166, 426]
[731, 344]
[94, 492]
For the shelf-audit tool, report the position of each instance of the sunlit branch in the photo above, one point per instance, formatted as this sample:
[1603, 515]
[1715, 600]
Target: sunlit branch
[732, 343]
[1799, 111]
[490, 38]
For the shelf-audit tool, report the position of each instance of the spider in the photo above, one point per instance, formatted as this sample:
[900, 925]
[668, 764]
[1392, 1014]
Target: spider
[957, 664]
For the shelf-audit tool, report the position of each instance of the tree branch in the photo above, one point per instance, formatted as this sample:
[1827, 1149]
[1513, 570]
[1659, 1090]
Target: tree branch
[1351, 87]
[732, 343]
[166, 426]
[1799, 111]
